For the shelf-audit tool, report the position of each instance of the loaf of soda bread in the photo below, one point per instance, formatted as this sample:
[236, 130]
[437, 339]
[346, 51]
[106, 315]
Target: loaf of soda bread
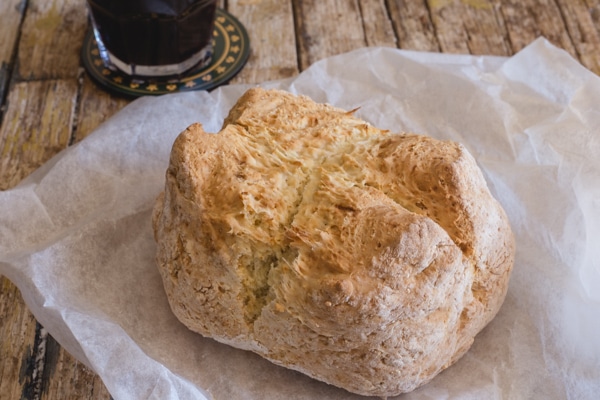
[365, 259]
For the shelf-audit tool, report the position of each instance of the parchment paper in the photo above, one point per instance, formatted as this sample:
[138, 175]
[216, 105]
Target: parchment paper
[76, 236]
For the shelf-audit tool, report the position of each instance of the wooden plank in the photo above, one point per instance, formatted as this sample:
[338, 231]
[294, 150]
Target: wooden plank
[469, 27]
[51, 39]
[377, 23]
[583, 30]
[594, 10]
[526, 21]
[326, 28]
[95, 106]
[17, 335]
[11, 13]
[272, 39]
[412, 24]
[66, 378]
[37, 125]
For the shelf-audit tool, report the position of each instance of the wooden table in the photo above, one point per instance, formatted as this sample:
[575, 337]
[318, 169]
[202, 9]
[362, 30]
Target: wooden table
[47, 102]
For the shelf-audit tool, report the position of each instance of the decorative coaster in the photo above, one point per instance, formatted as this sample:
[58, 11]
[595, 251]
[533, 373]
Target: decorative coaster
[231, 48]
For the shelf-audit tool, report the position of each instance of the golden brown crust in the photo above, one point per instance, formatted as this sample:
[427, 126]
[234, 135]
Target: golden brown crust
[364, 259]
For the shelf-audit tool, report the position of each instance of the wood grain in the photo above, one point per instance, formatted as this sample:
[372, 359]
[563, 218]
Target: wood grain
[327, 28]
[68, 379]
[17, 337]
[272, 37]
[583, 29]
[377, 24]
[413, 26]
[94, 106]
[51, 39]
[11, 13]
[528, 20]
[37, 125]
[469, 27]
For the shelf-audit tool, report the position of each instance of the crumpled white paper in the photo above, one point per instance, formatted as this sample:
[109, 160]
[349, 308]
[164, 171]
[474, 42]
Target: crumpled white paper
[76, 236]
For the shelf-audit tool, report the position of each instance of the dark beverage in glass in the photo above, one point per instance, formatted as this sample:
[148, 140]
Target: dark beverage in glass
[154, 37]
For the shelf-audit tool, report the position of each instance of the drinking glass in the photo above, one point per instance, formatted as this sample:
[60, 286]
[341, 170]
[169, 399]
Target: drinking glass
[153, 38]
